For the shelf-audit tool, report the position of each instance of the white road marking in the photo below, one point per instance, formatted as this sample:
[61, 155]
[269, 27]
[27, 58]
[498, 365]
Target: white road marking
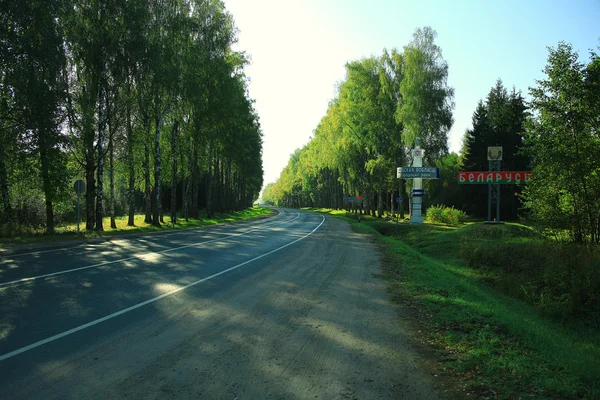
[152, 300]
[180, 231]
[32, 278]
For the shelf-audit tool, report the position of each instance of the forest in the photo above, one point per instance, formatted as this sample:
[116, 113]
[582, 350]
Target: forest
[144, 100]
[386, 102]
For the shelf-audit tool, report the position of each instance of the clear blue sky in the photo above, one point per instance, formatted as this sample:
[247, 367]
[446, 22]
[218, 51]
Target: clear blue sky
[299, 48]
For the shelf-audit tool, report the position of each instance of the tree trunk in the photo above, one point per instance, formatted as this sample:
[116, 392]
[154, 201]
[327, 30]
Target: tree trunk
[216, 184]
[174, 180]
[48, 190]
[380, 200]
[112, 124]
[131, 167]
[401, 193]
[90, 192]
[195, 180]
[228, 193]
[236, 190]
[184, 186]
[243, 193]
[4, 185]
[147, 184]
[90, 181]
[220, 188]
[111, 150]
[100, 170]
[209, 187]
[156, 214]
[370, 200]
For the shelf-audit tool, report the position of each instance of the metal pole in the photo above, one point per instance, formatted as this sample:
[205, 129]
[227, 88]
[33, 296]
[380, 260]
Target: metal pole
[399, 195]
[398, 210]
[490, 195]
[498, 195]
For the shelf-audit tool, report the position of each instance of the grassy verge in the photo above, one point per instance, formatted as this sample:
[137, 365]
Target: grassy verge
[69, 231]
[497, 345]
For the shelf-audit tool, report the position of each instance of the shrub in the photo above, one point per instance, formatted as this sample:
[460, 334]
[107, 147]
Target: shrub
[445, 215]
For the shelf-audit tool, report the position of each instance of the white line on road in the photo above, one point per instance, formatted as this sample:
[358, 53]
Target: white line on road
[152, 300]
[32, 278]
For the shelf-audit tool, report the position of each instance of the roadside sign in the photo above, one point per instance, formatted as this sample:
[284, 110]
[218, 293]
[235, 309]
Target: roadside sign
[417, 153]
[399, 199]
[349, 199]
[417, 172]
[79, 186]
[359, 198]
[496, 177]
[494, 153]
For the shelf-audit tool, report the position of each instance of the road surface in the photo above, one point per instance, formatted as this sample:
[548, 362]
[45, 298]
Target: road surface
[286, 307]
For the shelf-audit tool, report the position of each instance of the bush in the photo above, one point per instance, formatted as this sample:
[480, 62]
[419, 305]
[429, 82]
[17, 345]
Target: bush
[445, 215]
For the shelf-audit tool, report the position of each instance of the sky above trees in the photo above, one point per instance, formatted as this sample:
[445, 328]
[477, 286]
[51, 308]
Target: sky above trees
[299, 47]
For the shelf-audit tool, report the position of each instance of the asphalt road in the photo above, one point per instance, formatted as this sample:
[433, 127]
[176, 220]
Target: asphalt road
[286, 307]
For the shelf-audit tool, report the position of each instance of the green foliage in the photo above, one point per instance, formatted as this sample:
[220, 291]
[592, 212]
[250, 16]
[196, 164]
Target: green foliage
[81, 78]
[363, 137]
[427, 100]
[445, 215]
[446, 189]
[497, 121]
[562, 137]
[34, 91]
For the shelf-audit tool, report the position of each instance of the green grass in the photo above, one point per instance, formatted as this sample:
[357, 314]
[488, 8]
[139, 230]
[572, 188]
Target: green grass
[69, 231]
[496, 345]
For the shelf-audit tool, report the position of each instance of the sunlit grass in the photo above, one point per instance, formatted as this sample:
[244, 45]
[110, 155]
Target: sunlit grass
[121, 221]
[488, 340]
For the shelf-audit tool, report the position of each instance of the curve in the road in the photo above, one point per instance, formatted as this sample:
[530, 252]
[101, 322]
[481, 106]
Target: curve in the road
[152, 300]
[195, 244]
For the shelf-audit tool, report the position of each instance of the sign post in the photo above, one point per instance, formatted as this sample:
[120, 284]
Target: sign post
[494, 156]
[494, 178]
[417, 173]
[417, 201]
[79, 187]
[399, 201]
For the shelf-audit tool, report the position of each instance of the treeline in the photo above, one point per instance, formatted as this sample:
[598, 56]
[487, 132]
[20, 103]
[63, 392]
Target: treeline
[144, 100]
[386, 102]
[384, 105]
